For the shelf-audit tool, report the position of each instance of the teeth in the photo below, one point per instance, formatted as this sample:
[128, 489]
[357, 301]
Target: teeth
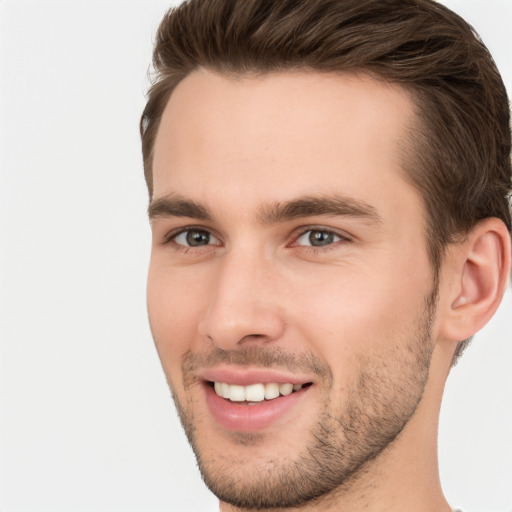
[285, 389]
[271, 391]
[255, 392]
[236, 393]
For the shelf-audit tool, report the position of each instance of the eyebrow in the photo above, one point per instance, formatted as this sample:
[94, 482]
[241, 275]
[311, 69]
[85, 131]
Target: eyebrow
[308, 206]
[177, 206]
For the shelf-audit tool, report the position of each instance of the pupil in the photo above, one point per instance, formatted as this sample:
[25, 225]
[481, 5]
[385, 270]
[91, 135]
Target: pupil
[196, 238]
[319, 238]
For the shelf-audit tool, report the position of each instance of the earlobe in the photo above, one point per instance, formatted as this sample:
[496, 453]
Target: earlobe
[482, 269]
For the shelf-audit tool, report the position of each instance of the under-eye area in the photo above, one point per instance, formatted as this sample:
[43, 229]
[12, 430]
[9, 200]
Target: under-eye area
[255, 393]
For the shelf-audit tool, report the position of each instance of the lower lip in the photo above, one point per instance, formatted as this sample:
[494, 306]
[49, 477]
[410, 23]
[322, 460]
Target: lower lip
[250, 418]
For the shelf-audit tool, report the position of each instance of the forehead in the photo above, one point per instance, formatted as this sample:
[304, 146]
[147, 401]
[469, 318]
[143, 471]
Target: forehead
[280, 135]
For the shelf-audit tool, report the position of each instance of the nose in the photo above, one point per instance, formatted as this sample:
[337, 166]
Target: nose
[244, 306]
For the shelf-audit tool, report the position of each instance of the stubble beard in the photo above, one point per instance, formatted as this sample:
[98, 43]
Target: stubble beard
[342, 445]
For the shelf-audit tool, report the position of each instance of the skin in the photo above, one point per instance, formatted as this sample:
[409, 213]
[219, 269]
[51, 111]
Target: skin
[363, 308]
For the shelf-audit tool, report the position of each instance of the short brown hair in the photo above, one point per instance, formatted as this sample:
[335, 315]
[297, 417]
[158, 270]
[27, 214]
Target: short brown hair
[458, 156]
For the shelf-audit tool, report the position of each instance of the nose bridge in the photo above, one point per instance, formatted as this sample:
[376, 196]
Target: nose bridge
[243, 304]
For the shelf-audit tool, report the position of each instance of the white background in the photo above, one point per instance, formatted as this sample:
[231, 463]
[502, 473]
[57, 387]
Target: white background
[86, 421]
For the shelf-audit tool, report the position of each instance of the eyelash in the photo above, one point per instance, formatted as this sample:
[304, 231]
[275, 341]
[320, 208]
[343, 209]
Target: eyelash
[170, 238]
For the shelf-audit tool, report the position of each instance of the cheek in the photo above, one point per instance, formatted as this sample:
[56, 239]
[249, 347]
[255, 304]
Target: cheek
[356, 313]
[173, 309]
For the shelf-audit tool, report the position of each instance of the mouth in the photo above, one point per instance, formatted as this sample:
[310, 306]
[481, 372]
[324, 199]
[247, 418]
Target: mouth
[257, 393]
[254, 400]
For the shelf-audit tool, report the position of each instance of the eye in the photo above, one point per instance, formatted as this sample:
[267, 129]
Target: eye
[195, 238]
[318, 238]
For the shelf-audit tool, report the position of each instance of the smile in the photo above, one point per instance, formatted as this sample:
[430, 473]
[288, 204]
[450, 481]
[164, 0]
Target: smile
[254, 400]
[254, 393]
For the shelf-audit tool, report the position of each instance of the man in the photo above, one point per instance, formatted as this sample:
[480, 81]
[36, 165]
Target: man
[329, 186]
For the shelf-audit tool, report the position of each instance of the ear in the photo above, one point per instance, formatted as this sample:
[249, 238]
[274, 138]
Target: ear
[480, 272]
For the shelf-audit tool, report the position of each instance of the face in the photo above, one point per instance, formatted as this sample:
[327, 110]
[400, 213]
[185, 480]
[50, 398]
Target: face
[290, 294]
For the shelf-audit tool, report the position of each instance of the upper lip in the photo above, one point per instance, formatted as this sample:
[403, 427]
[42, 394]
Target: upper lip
[247, 376]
